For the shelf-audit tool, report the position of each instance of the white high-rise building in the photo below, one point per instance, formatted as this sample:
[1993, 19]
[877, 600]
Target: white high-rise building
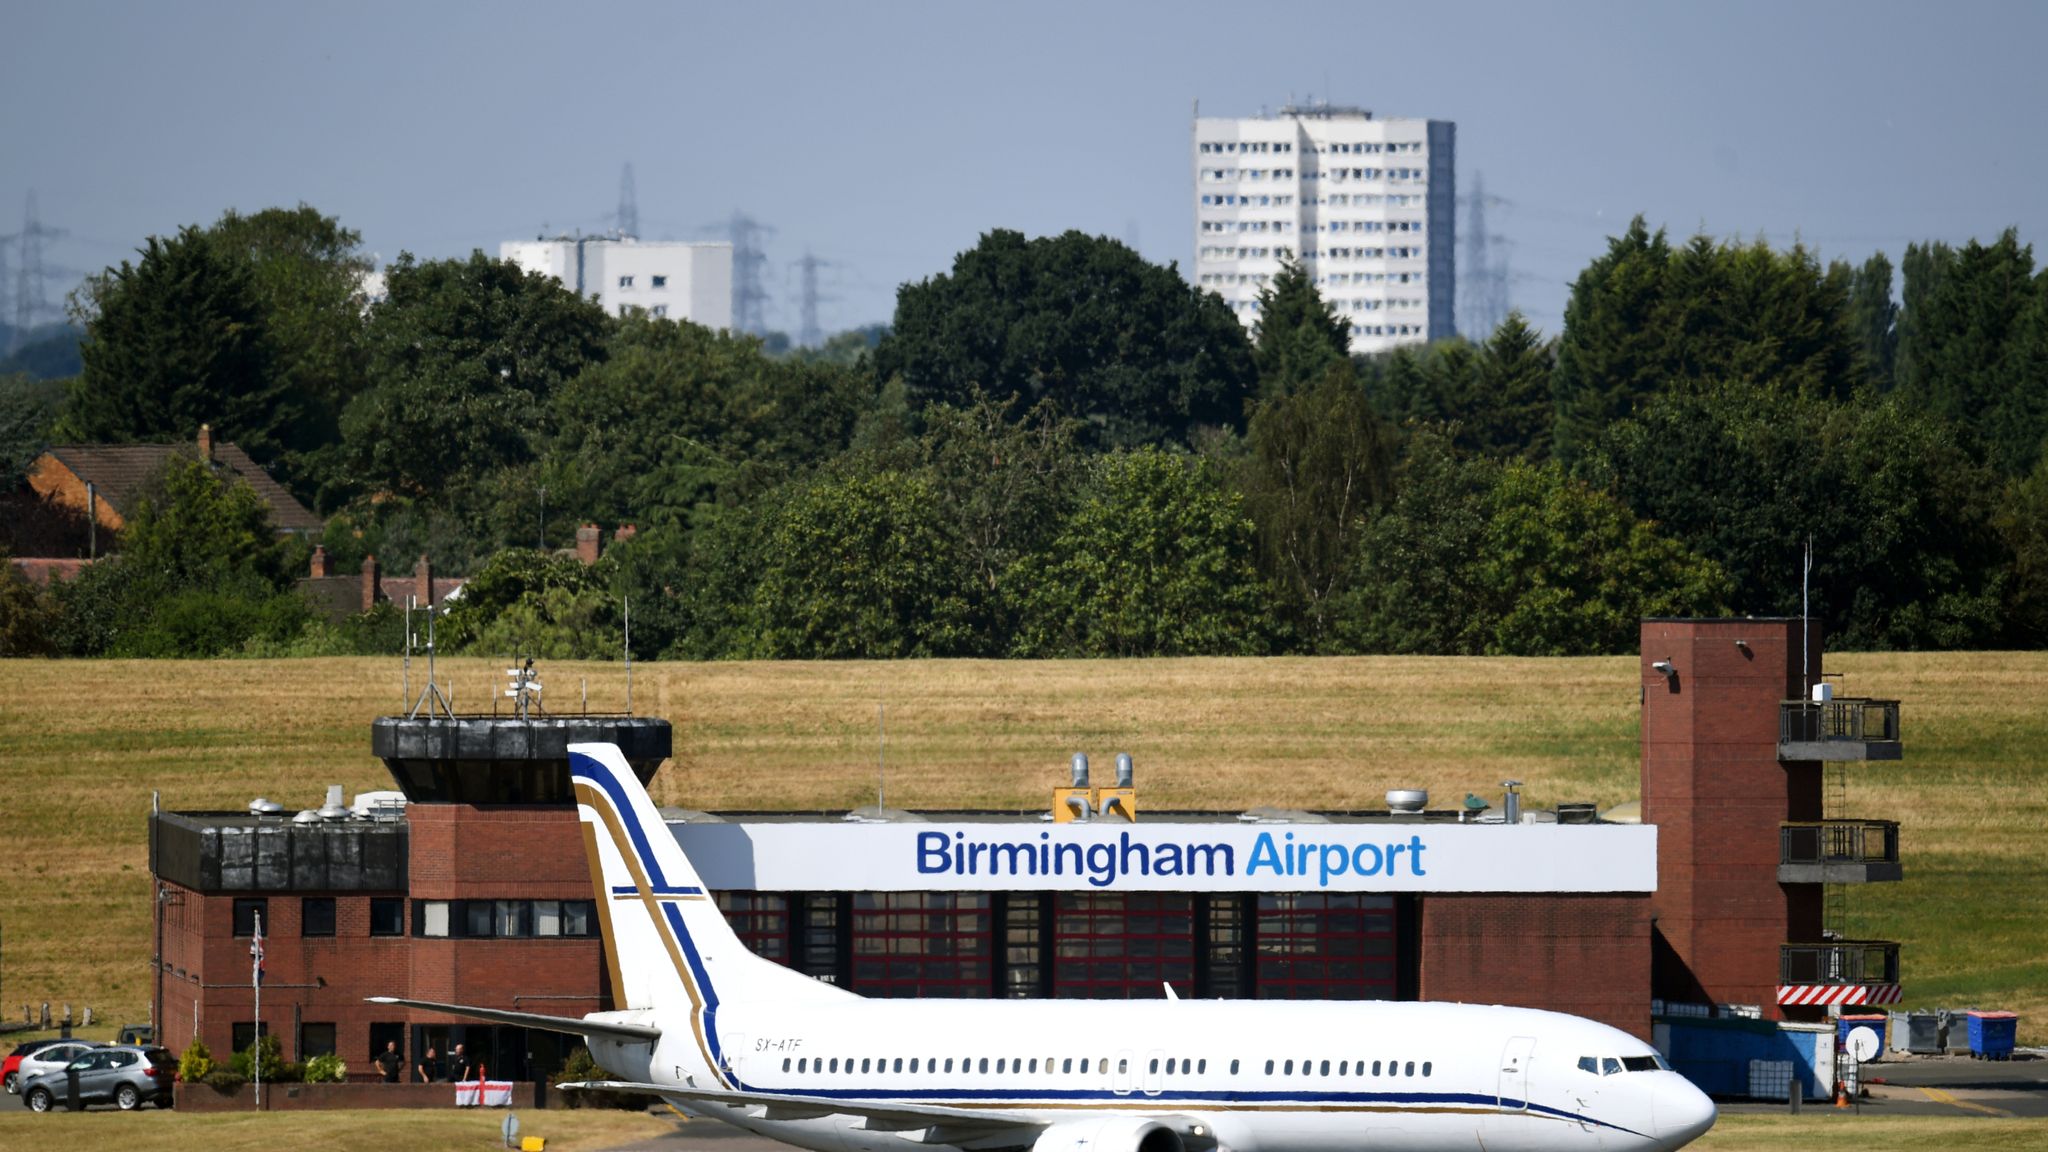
[1366, 205]
[678, 281]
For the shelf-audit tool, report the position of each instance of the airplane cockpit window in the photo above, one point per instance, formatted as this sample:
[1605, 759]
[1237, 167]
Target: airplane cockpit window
[1609, 1066]
[1589, 1064]
[1639, 1063]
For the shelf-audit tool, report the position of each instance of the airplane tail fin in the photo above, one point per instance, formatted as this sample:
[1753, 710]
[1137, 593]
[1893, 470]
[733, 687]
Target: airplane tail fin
[665, 940]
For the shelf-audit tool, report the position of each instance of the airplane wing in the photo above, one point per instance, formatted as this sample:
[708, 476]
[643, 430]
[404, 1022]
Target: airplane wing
[967, 1127]
[573, 1025]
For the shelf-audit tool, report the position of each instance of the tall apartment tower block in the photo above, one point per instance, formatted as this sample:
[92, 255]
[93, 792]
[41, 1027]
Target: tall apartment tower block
[1744, 772]
[1368, 206]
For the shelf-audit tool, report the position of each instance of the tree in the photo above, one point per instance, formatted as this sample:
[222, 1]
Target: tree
[1319, 466]
[524, 602]
[24, 618]
[1298, 336]
[1955, 354]
[1612, 352]
[1005, 487]
[307, 272]
[464, 357]
[1126, 346]
[1157, 560]
[1905, 556]
[2023, 524]
[1509, 412]
[676, 414]
[176, 340]
[1477, 556]
[1875, 318]
[859, 566]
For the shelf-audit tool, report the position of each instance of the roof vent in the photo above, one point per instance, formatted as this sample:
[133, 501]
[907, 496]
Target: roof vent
[1577, 813]
[309, 816]
[335, 808]
[1407, 799]
[265, 807]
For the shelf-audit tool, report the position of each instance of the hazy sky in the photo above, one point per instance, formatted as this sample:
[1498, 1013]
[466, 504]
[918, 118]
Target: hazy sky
[886, 137]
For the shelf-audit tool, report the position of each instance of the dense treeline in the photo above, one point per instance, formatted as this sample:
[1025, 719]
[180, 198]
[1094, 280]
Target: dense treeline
[1059, 449]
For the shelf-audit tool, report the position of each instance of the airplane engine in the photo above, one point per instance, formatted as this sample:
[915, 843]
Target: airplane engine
[1125, 1134]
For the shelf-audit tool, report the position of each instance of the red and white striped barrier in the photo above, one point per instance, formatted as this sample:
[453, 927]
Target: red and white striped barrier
[1838, 994]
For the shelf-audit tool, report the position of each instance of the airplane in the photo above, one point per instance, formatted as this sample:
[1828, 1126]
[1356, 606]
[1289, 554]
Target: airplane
[713, 1027]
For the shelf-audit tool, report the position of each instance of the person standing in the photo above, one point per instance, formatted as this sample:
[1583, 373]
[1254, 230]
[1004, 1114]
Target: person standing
[390, 1062]
[460, 1068]
[428, 1069]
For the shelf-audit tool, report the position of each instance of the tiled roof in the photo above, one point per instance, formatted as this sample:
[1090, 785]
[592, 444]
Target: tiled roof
[117, 473]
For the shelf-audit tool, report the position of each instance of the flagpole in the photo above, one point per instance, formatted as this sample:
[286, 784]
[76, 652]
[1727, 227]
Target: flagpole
[256, 981]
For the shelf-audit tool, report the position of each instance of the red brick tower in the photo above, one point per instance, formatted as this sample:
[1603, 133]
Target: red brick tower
[1733, 752]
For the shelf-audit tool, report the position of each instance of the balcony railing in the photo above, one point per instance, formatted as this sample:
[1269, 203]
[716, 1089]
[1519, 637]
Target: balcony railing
[1839, 962]
[1838, 852]
[1840, 729]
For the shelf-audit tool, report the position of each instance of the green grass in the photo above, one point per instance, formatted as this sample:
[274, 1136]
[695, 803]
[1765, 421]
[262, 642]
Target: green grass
[82, 744]
[400, 1130]
[1823, 1131]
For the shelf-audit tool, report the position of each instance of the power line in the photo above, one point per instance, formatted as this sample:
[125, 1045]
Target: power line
[810, 334]
[749, 261]
[32, 282]
[1484, 281]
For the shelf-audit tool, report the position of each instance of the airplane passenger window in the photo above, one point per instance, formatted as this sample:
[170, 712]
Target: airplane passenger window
[913, 1065]
[1609, 1066]
[1034, 1063]
[1233, 1067]
[1122, 1065]
[1289, 1068]
[1411, 1069]
[1343, 1067]
[1375, 1067]
[863, 1067]
[984, 1063]
[899, 1063]
[999, 1065]
[1325, 1068]
[1269, 1067]
[1425, 1067]
[1202, 1065]
[785, 1063]
[1067, 1065]
[949, 1063]
[1104, 1069]
[835, 1064]
[1155, 1065]
[1589, 1064]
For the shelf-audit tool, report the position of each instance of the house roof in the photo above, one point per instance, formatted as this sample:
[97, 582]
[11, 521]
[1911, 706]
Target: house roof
[117, 473]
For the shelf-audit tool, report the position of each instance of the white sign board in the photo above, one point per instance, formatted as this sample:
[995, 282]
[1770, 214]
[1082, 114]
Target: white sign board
[806, 856]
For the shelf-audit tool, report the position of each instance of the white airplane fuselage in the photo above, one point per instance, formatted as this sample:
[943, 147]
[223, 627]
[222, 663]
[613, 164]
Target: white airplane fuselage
[1263, 1076]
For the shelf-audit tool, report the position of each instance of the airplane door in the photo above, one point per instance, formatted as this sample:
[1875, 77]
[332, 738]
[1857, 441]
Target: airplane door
[1152, 1073]
[1120, 1076]
[1514, 1072]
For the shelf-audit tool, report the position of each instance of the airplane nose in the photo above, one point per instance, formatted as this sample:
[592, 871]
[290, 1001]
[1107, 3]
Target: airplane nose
[1682, 1112]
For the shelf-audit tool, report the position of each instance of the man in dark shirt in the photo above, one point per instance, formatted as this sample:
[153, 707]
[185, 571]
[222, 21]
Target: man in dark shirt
[390, 1062]
[460, 1068]
[428, 1069]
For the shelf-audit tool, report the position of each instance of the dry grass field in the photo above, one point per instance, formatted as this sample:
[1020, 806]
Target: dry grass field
[82, 744]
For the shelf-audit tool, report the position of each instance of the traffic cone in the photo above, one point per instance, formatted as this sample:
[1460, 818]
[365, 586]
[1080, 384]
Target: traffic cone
[1841, 1093]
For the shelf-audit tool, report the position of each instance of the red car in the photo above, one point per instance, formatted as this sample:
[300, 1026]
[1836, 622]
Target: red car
[12, 1065]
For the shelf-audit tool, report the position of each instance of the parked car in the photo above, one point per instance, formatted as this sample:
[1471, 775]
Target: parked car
[12, 1064]
[55, 1054]
[126, 1076]
[140, 1035]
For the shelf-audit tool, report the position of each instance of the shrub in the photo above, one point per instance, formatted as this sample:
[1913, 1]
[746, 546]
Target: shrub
[325, 1069]
[196, 1063]
[582, 1066]
[272, 1051]
[225, 1081]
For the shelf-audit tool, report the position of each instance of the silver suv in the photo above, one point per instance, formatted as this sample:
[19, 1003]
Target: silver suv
[123, 1075]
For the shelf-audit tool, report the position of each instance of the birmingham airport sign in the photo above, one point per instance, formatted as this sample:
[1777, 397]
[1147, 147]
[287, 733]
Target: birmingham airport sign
[1169, 857]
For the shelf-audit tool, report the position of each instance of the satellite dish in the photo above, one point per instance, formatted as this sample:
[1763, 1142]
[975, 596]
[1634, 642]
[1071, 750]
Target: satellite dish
[1863, 1044]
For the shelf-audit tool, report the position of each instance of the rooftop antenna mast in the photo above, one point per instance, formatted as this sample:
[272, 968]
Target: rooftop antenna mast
[629, 204]
[431, 696]
[1805, 624]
